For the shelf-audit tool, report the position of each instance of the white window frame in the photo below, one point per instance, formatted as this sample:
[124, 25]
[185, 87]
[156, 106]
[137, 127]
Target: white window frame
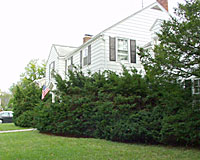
[128, 47]
[85, 56]
[198, 86]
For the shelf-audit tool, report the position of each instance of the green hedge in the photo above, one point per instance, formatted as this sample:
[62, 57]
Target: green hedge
[25, 119]
[25, 100]
[126, 108]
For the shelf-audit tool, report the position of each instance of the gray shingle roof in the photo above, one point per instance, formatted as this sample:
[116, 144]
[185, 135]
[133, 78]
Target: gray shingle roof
[63, 50]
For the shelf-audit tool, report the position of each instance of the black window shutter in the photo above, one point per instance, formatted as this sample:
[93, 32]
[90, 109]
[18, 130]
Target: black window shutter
[54, 65]
[89, 54]
[133, 51]
[71, 60]
[65, 66]
[112, 49]
[81, 56]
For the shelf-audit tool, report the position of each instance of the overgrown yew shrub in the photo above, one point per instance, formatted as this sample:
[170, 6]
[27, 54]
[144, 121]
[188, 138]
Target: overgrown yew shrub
[25, 99]
[126, 108]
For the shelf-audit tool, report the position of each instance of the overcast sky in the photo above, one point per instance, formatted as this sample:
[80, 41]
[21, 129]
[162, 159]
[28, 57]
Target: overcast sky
[28, 28]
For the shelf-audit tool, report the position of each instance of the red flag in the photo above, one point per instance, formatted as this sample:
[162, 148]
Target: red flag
[45, 90]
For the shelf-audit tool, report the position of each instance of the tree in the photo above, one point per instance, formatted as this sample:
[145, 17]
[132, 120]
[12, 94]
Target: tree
[33, 71]
[176, 57]
[178, 54]
[4, 98]
[27, 94]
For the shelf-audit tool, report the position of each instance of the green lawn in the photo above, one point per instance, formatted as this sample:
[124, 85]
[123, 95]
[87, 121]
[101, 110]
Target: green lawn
[9, 126]
[35, 146]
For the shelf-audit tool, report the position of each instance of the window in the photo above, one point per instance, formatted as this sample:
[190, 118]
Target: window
[197, 86]
[51, 69]
[70, 67]
[87, 56]
[121, 49]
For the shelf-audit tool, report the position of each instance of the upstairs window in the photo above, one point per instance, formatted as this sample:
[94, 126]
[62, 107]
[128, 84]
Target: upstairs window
[86, 56]
[122, 50]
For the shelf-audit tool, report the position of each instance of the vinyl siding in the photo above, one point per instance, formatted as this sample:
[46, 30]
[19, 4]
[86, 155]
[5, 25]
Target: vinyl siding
[61, 67]
[136, 28]
[52, 57]
[97, 56]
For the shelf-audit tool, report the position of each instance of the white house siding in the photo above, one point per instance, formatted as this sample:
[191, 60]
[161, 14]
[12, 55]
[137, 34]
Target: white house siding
[57, 54]
[53, 56]
[97, 56]
[61, 67]
[136, 27]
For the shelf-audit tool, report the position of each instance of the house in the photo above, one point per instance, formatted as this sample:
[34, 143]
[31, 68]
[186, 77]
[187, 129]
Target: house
[112, 47]
[56, 62]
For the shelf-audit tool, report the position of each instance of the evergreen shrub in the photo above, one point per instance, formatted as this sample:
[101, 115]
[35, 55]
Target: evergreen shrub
[25, 99]
[120, 107]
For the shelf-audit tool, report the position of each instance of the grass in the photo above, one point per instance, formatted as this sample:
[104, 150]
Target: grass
[33, 145]
[9, 126]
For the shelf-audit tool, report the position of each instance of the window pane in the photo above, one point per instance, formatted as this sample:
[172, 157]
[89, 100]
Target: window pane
[123, 52]
[85, 61]
[86, 52]
[123, 44]
[122, 57]
[5, 114]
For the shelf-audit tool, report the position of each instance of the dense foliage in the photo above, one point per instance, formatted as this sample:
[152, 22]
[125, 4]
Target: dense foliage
[27, 94]
[156, 108]
[124, 107]
[178, 53]
[24, 101]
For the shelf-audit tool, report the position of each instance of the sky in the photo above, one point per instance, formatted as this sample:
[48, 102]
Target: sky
[28, 28]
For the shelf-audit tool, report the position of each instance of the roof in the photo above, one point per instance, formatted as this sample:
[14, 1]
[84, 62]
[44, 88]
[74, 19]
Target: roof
[63, 50]
[155, 4]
